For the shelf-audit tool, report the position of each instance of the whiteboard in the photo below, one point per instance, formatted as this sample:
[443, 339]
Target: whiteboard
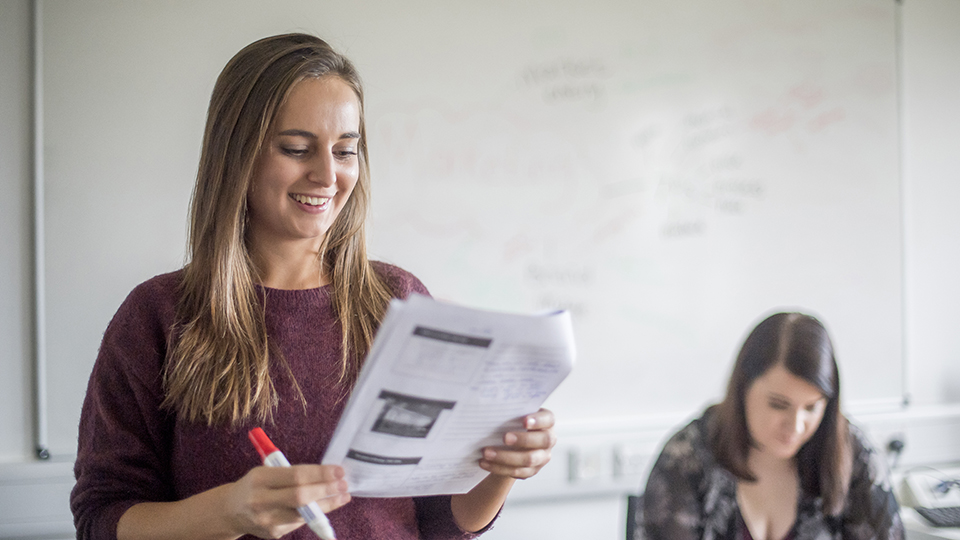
[669, 171]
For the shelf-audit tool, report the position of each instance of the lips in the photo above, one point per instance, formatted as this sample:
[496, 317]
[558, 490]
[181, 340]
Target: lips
[787, 441]
[310, 201]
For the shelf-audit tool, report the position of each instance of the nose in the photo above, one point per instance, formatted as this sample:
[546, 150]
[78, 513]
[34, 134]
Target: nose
[323, 170]
[800, 423]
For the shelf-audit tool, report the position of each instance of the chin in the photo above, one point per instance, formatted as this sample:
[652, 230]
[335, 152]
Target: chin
[790, 454]
[783, 451]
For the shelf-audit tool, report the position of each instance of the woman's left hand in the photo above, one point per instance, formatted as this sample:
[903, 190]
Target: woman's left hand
[523, 453]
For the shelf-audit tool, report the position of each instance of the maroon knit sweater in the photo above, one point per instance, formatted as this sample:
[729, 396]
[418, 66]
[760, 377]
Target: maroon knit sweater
[131, 451]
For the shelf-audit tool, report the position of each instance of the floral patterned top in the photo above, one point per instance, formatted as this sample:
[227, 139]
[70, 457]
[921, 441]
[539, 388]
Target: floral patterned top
[689, 496]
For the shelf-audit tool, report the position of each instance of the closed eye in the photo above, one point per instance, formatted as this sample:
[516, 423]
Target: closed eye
[813, 407]
[779, 405]
[294, 152]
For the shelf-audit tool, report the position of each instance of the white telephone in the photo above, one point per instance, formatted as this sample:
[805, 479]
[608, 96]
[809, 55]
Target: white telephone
[934, 495]
[929, 489]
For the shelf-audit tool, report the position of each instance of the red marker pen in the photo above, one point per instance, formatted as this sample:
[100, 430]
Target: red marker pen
[272, 457]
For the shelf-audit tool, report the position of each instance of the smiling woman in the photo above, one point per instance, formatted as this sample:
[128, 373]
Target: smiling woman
[268, 323]
[306, 173]
[776, 459]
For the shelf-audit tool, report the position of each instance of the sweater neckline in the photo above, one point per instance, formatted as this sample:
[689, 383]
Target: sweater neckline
[293, 297]
[272, 290]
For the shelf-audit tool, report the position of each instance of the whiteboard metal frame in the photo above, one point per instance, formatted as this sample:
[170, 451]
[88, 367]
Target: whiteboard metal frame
[41, 443]
[904, 211]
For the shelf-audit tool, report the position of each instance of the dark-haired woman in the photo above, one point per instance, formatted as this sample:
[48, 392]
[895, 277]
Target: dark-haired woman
[776, 459]
[266, 325]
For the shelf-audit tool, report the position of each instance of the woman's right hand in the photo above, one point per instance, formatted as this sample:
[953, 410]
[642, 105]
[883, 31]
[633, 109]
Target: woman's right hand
[264, 502]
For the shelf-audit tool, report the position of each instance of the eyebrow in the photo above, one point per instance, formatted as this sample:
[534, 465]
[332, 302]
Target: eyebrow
[309, 135]
[781, 397]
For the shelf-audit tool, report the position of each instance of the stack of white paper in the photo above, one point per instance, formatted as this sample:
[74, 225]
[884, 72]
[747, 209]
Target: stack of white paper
[440, 383]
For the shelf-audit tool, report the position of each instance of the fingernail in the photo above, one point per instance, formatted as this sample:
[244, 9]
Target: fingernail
[489, 453]
[510, 439]
[531, 422]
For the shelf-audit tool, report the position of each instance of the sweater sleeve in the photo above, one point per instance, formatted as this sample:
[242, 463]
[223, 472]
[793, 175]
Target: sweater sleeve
[671, 507]
[872, 511]
[400, 282]
[123, 445]
[435, 518]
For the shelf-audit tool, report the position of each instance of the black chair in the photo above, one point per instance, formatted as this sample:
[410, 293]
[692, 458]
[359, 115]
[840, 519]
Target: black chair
[634, 515]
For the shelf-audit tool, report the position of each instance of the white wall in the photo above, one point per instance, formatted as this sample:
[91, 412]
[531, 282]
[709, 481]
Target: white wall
[33, 495]
[16, 282]
[931, 173]
[931, 177]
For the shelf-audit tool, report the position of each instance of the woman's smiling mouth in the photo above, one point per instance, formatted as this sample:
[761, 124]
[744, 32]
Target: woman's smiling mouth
[310, 201]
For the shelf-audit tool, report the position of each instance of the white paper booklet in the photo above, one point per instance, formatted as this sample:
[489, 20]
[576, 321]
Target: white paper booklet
[441, 382]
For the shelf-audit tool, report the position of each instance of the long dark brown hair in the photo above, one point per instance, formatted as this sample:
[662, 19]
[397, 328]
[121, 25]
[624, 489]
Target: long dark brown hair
[801, 344]
[218, 365]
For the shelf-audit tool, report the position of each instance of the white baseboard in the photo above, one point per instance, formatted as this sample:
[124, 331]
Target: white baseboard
[931, 433]
[34, 496]
[35, 500]
[931, 436]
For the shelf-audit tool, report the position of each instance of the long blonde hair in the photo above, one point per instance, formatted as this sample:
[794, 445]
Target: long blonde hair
[218, 367]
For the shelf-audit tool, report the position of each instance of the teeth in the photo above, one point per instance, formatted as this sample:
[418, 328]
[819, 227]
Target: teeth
[312, 201]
